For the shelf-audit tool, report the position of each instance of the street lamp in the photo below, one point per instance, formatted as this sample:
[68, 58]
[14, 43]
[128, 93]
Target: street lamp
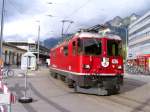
[49, 3]
[50, 15]
[38, 42]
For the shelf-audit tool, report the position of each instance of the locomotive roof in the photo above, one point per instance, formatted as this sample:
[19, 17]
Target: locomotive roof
[97, 35]
[90, 35]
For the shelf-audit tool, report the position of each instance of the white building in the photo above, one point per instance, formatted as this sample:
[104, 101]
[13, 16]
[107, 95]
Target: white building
[139, 37]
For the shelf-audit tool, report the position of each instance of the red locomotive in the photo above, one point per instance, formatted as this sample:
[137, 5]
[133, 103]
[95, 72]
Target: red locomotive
[91, 63]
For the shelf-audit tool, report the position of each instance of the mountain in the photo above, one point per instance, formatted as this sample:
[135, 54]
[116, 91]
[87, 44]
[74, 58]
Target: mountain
[119, 25]
[130, 19]
[51, 42]
[119, 22]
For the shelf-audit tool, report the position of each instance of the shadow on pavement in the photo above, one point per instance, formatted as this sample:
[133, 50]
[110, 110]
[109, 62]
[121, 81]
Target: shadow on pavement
[131, 84]
[141, 107]
[57, 106]
[19, 91]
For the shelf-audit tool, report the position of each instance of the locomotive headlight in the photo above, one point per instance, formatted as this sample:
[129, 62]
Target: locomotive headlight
[105, 62]
[119, 67]
[114, 61]
[85, 66]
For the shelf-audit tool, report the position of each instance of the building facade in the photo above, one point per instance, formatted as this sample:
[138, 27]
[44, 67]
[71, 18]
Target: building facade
[139, 37]
[33, 47]
[11, 54]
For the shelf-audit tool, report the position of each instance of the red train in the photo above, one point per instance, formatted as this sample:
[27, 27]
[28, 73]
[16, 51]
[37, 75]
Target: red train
[89, 62]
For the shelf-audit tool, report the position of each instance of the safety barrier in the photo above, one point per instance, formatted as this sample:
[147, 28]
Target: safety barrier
[136, 70]
[6, 98]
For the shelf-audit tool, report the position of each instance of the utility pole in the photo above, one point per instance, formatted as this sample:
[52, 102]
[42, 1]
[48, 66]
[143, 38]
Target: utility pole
[62, 31]
[2, 27]
[63, 23]
[38, 46]
[126, 31]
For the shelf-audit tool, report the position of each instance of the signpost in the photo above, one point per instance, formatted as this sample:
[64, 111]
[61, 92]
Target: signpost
[26, 63]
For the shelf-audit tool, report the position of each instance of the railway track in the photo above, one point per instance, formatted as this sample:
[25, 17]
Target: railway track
[119, 99]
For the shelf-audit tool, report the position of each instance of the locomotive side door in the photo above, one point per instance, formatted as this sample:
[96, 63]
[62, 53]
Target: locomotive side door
[74, 56]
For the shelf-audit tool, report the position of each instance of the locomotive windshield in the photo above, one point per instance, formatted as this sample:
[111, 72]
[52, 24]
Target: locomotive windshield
[114, 48]
[91, 46]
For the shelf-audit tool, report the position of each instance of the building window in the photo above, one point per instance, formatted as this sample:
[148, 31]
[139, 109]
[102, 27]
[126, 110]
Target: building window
[13, 58]
[5, 60]
[140, 29]
[10, 62]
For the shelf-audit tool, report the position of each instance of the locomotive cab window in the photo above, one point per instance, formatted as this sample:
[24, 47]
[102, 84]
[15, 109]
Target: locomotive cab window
[74, 48]
[80, 46]
[65, 50]
[114, 48]
[92, 46]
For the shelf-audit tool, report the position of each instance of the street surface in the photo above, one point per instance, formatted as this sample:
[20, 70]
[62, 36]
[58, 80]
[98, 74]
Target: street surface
[53, 95]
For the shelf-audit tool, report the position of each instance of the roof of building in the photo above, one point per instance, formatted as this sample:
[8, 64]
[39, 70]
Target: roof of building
[140, 19]
[13, 46]
[26, 44]
[29, 54]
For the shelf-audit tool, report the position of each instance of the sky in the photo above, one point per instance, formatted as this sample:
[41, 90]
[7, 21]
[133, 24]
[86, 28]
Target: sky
[23, 17]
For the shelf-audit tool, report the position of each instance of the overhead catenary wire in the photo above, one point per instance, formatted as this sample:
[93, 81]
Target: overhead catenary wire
[63, 24]
[74, 12]
[16, 8]
[79, 8]
[71, 15]
[68, 26]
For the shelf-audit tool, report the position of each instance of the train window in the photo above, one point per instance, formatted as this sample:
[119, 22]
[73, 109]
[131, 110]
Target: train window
[92, 46]
[114, 48]
[54, 54]
[80, 46]
[79, 42]
[73, 43]
[66, 50]
[74, 48]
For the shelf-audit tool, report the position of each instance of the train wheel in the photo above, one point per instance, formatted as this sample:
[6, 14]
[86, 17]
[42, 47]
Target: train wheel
[62, 77]
[117, 89]
[51, 73]
[114, 90]
[54, 75]
[75, 87]
[70, 83]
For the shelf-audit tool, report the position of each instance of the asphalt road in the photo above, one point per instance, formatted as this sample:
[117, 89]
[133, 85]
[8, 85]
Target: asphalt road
[52, 95]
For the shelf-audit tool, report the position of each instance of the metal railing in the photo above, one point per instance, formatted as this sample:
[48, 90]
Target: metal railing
[136, 70]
